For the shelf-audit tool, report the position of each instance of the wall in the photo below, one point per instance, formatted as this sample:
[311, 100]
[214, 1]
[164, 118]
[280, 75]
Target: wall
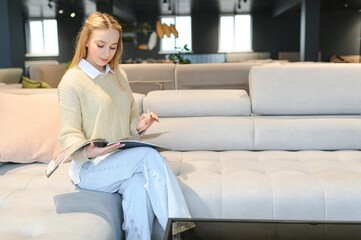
[68, 29]
[12, 40]
[205, 32]
[280, 34]
[340, 33]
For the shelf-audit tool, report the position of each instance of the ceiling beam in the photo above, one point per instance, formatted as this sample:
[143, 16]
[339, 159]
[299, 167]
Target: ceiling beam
[124, 12]
[283, 6]
[121, 10]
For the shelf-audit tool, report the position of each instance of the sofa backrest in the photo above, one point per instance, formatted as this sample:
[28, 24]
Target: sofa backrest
[295, 107]
[49, 73]
[214, 75]
[10, 75]
[306, 89]
[144, 78]
[306, 106]
[201, 119]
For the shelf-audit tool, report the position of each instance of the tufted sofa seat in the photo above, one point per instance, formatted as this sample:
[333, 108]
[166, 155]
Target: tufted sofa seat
[34, 207]
[292, 185]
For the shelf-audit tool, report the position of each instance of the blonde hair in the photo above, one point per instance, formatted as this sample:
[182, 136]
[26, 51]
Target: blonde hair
[97, 20]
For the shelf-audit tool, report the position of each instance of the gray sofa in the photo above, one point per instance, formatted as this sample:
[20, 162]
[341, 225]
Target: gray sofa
[288, 150]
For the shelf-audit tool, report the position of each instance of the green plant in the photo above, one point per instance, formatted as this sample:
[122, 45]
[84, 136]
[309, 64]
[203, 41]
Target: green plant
[179, 56]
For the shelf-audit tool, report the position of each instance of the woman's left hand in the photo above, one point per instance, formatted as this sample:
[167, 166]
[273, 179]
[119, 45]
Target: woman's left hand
[145, 121]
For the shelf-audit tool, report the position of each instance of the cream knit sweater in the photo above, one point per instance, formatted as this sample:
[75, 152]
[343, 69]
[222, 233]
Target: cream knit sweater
[103, 107]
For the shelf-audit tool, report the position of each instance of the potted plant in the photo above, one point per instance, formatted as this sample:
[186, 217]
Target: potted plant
[179, 56]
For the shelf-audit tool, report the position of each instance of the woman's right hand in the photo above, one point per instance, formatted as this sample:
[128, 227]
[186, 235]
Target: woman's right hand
[93, 151]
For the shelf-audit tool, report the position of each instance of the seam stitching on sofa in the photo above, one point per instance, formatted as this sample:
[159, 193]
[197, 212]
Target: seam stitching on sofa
[270, 181]
[316, 177]
[219, 160]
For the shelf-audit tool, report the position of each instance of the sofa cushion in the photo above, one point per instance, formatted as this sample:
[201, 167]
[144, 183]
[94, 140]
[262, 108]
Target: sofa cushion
[307, 132]
[144, 78]
[29, 126]
[215, 133]
[184, 103]
[49, 73]
[28, 83]
[10, 75]
[33, 206]
[213, 75]
[313, 88]
[293, 185]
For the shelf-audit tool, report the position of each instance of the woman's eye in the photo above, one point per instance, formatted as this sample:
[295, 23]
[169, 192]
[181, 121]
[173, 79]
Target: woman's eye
[113, 48]
[100, 46]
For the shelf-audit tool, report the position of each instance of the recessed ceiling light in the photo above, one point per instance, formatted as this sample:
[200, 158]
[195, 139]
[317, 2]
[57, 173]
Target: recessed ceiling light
[72, 14]
[61, 11]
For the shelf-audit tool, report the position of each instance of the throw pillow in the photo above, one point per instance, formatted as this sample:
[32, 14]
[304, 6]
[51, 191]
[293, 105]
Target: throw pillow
[29, 83]
[29, 127]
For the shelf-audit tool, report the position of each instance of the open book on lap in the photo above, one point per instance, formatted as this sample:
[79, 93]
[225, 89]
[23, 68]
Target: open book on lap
[130, 142]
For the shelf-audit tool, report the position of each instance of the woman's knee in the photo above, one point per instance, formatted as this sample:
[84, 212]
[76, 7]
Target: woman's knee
[133, 187]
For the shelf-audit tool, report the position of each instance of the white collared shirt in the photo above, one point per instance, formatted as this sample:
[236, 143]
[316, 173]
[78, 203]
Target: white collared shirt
[90, 70]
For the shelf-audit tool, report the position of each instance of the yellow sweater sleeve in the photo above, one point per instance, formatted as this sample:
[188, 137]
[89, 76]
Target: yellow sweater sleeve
[133, 111]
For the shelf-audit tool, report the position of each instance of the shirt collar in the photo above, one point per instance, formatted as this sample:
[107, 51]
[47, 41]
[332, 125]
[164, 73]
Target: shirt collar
[90, 70]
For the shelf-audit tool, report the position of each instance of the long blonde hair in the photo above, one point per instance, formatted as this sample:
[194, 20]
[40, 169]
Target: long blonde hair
[97, 20]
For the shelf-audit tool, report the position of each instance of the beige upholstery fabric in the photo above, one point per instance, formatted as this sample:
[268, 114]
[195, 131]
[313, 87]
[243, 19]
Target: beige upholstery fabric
[301, 185]
[49, 73]
[217, 120]
[29, 127]
[194, 103]
[306, 89]
[10, 75]
[35, 207]
[28, 91]
[144, 78]
[302, 165]
[214, 75]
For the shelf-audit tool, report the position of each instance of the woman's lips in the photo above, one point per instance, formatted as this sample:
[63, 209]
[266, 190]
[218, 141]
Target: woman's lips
[104, 59]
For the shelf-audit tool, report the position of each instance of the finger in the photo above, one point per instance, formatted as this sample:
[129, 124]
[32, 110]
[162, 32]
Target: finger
[142, 125]
[143, 116]
[153, 116]
[115, 147]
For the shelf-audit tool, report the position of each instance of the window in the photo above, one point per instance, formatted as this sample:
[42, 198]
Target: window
[235, 33]
[183, 24]
[42, 38]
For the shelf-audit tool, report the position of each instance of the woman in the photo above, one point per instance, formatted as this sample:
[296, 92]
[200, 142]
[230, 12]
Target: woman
[96, 102]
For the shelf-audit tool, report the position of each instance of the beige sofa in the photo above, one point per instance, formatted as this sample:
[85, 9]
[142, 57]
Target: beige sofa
[10, 77]
[144, 78]
[49, 73]
[289, 150]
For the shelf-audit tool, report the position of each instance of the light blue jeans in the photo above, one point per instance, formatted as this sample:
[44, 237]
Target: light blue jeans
[146, 183]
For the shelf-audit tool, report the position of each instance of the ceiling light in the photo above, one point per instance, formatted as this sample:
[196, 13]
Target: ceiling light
[72, 14]
[61, 11]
